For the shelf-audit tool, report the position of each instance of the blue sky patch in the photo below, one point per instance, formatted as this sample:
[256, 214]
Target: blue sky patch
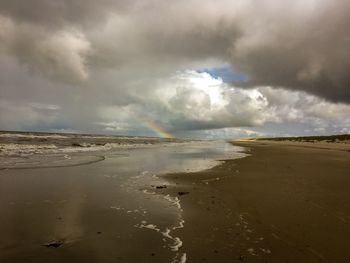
[226, 73]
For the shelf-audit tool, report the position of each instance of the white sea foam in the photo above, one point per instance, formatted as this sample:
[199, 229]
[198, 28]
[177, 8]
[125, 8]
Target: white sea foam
[9, 149]
[175, 242]
[183, 258]
[166, 233]
[174, 200]
[150, 226]
[17, 149]
[181, 224]
[251, 251]
[179, 258]
[266, 250]
[116, 207]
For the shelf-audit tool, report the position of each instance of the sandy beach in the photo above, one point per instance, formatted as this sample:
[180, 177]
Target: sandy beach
[286, 202]
[276, 202]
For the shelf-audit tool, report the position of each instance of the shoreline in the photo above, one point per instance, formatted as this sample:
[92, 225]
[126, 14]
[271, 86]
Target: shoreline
[286, 202]
[72, 213]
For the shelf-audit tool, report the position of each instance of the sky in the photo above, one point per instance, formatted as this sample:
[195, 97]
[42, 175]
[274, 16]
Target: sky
[184, 68]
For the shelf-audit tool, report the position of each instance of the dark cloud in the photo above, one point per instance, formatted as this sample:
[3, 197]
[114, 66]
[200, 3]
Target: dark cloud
[103, 63]
[299, 45]
[60, 13]
[302, 47]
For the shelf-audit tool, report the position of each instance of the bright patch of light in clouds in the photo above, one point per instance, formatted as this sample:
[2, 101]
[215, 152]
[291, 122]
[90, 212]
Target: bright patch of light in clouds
[193, 101]
[210, 86]
[198, 68]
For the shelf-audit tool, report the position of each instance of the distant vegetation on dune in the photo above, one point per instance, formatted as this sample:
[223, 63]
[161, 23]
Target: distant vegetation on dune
[328, 138]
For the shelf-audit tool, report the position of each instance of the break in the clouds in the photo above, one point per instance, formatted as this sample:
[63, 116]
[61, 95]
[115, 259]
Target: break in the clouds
[192, 67]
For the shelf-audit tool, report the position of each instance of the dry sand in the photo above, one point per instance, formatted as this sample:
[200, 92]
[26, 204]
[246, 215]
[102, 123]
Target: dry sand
[287, 202]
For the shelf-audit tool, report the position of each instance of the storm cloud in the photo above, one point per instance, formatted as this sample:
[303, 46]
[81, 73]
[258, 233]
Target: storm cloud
[107, 64]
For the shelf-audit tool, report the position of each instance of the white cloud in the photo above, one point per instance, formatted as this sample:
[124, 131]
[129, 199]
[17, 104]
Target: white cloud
[196, 101]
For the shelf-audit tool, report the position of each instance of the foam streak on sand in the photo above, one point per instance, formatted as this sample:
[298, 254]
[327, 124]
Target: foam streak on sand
[183, 258]
[198, 162]
[174, 200]
[176, 242]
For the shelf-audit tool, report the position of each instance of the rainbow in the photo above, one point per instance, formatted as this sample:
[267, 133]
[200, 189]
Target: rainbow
[160, 131]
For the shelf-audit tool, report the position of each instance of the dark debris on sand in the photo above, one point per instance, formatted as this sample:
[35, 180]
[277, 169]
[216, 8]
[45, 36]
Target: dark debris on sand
[53, 244]
[161, 186]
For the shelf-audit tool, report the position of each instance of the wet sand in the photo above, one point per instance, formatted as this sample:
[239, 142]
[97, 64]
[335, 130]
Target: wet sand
[287, 202]
[111, 210]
